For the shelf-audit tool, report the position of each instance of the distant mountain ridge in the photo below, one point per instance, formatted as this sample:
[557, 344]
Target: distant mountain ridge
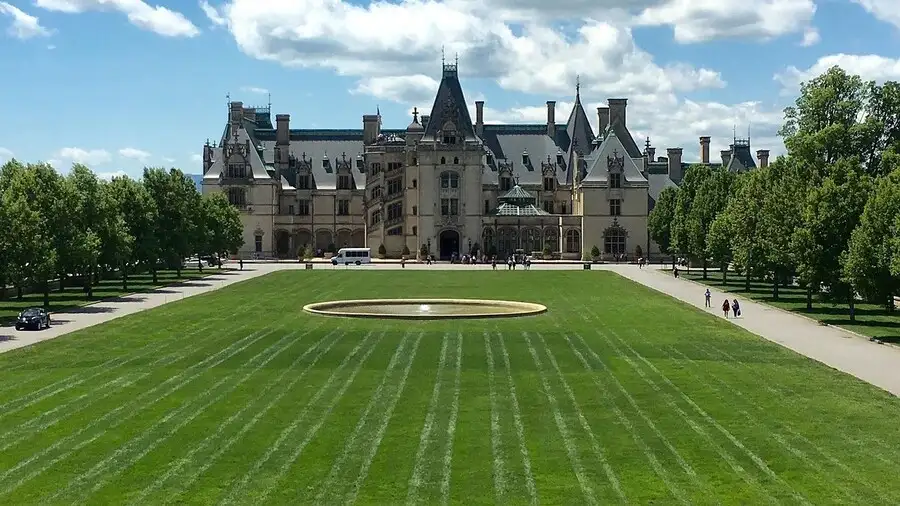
[198, 181]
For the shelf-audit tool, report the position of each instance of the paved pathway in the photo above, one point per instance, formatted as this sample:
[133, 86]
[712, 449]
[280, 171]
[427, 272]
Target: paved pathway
[78, 318]
[871, 362]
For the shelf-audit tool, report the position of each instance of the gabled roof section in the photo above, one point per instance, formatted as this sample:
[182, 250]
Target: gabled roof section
[450, 106]
[741, 157]
[612, 148]
[578, 128]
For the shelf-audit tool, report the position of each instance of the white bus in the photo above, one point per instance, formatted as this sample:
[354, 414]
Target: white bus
[356, 256]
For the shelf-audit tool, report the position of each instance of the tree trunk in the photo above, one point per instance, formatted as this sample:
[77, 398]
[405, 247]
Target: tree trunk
[809, 298]
[775, 285]
[725, 276]
[19, 292]
[62, 281]
[218, 260]
[90, 286]
[747, 280]
[2, 288]
[153, 271]
[852, 303]
[124, 276]
[96, 272]
[704, 268]
[46, 287]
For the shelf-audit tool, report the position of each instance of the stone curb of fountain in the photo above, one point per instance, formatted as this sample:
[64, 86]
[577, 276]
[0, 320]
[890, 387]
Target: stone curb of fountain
[852, 333]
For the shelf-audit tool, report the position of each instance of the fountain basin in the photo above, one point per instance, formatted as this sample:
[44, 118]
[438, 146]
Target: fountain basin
[424, 309]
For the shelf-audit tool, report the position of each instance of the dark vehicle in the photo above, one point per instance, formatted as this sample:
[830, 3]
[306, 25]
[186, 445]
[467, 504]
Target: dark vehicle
[33, 318]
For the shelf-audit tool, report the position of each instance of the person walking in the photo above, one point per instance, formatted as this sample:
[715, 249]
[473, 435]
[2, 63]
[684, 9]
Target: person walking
[726, 306]
[708, 298]
[735, 308]
[675, 270]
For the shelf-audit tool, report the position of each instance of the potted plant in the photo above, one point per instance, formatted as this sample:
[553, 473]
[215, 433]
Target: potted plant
[382, 251]
[405, 253]
[547, 254]
[330, 251]
[423, 252]
[638, 252]
[595, 254]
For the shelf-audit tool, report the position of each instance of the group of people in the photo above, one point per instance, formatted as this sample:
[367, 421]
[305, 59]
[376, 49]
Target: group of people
[728, 306]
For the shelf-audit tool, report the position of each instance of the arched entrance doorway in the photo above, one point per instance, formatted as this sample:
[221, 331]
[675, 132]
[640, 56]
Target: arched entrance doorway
[282, 243]
[449, 244]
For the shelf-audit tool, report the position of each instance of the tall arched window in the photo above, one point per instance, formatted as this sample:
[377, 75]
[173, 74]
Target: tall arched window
[551, 239]
[573, 241]
[488, 240]
[614, 240]
[449, 179]
[531, 240]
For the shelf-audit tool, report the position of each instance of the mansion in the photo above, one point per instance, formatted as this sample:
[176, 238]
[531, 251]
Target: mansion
[446, 183]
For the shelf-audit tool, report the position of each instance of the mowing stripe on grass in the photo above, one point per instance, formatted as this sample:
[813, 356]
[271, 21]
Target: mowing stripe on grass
[586, 490]
[451, 424]
[237, 488]
[585, 425]
[351, 495]
[176, 467]
[651, 457]
[712, 421]
[497, 450]
[787, 428]
[732, 392]
[379, 397]
[416, 479]
[727, 457]
[34, 424]
[517, 421]
[137, 447]
[132, 408]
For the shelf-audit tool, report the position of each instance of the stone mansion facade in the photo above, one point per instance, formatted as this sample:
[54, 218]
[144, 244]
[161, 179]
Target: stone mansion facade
[446, 182]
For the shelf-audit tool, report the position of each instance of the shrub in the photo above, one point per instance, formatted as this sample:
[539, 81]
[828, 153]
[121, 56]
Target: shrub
[595, 252]
[638, 251]
[423, 251]
[308, 252]
[331, 248]
[382, 251]
[548, 253]
[405, 250]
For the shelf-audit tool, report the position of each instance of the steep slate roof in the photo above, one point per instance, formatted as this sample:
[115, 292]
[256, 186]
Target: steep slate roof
[741, 158]
[598, 171]
[450, 105]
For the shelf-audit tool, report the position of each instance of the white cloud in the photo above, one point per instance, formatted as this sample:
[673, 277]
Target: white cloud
[155, 18]
[254, 89]
[407, 89]
[5, 154]
[885, 10]
[196, 158]
[704, 20]
[868, 66]
[214, 16]
[109, 175]
[24, 26]
[169, 160]
[84, 156]
[134, 154]
[811, 37]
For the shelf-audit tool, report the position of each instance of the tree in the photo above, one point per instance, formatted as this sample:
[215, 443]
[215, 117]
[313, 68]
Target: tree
[710, 200]
[718, 243]
[830, 213]
[221, 226]
[87, 213]
[867, 263]
[138, 212]
[177, 203]
[660, 220]
[743, 213]
[681, 225]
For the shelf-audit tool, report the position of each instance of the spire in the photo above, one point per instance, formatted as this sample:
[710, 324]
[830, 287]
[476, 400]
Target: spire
[415, 114]
[378, 113]
[578, 88]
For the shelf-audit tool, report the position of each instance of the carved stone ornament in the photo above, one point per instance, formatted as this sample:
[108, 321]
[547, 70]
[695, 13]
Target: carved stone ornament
[615, 163]
[449, 108]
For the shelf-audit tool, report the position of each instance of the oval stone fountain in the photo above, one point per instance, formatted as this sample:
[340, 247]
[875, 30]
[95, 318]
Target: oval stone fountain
[424, 309]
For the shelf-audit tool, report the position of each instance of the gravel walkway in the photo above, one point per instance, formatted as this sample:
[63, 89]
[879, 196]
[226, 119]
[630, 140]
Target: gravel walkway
[871, 362]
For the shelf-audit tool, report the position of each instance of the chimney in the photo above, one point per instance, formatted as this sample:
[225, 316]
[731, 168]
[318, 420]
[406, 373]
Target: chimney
[704, 150]
[551, 118]
[602, 118]
[763, 155]
[236, 114]
[674, 162]
[371, 128]
[726, 157]
[617, 110]
[651, 154]
[282, 129]
[479, 117]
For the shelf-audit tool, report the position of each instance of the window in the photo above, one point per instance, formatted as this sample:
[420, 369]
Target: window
[615, 207]
[505, 184]
[376, 168]
[490, 159]
[415, 210]
[615, 180]
[237, 197]
[573, 241]
[526, 161]
[443, 160]
[562, 208]
[291, 209]
[559, 159]
[326, 164]
[303, 208]
[237, 170]
[449, 139]
[258, 244]
[360, 164]
[415, 161]
[343, 207]
[614, 241]
[395, 211]
[551, 239]
[376, 192]
[487, 206]
[376, 217]
[456, 160]
[415, 183]
[395, 186]
[415, 231]
[449, 207]
[549, 184]
[304, 181]
[343, 182]
[392, 166]
[548, 206]
[395, 231]
[449, 180]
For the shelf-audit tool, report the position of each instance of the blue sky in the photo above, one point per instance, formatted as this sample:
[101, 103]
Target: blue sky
[120, 84]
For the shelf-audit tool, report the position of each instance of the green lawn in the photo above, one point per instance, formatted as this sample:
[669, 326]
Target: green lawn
[871, 320]
[73, 295]
[615, 394]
